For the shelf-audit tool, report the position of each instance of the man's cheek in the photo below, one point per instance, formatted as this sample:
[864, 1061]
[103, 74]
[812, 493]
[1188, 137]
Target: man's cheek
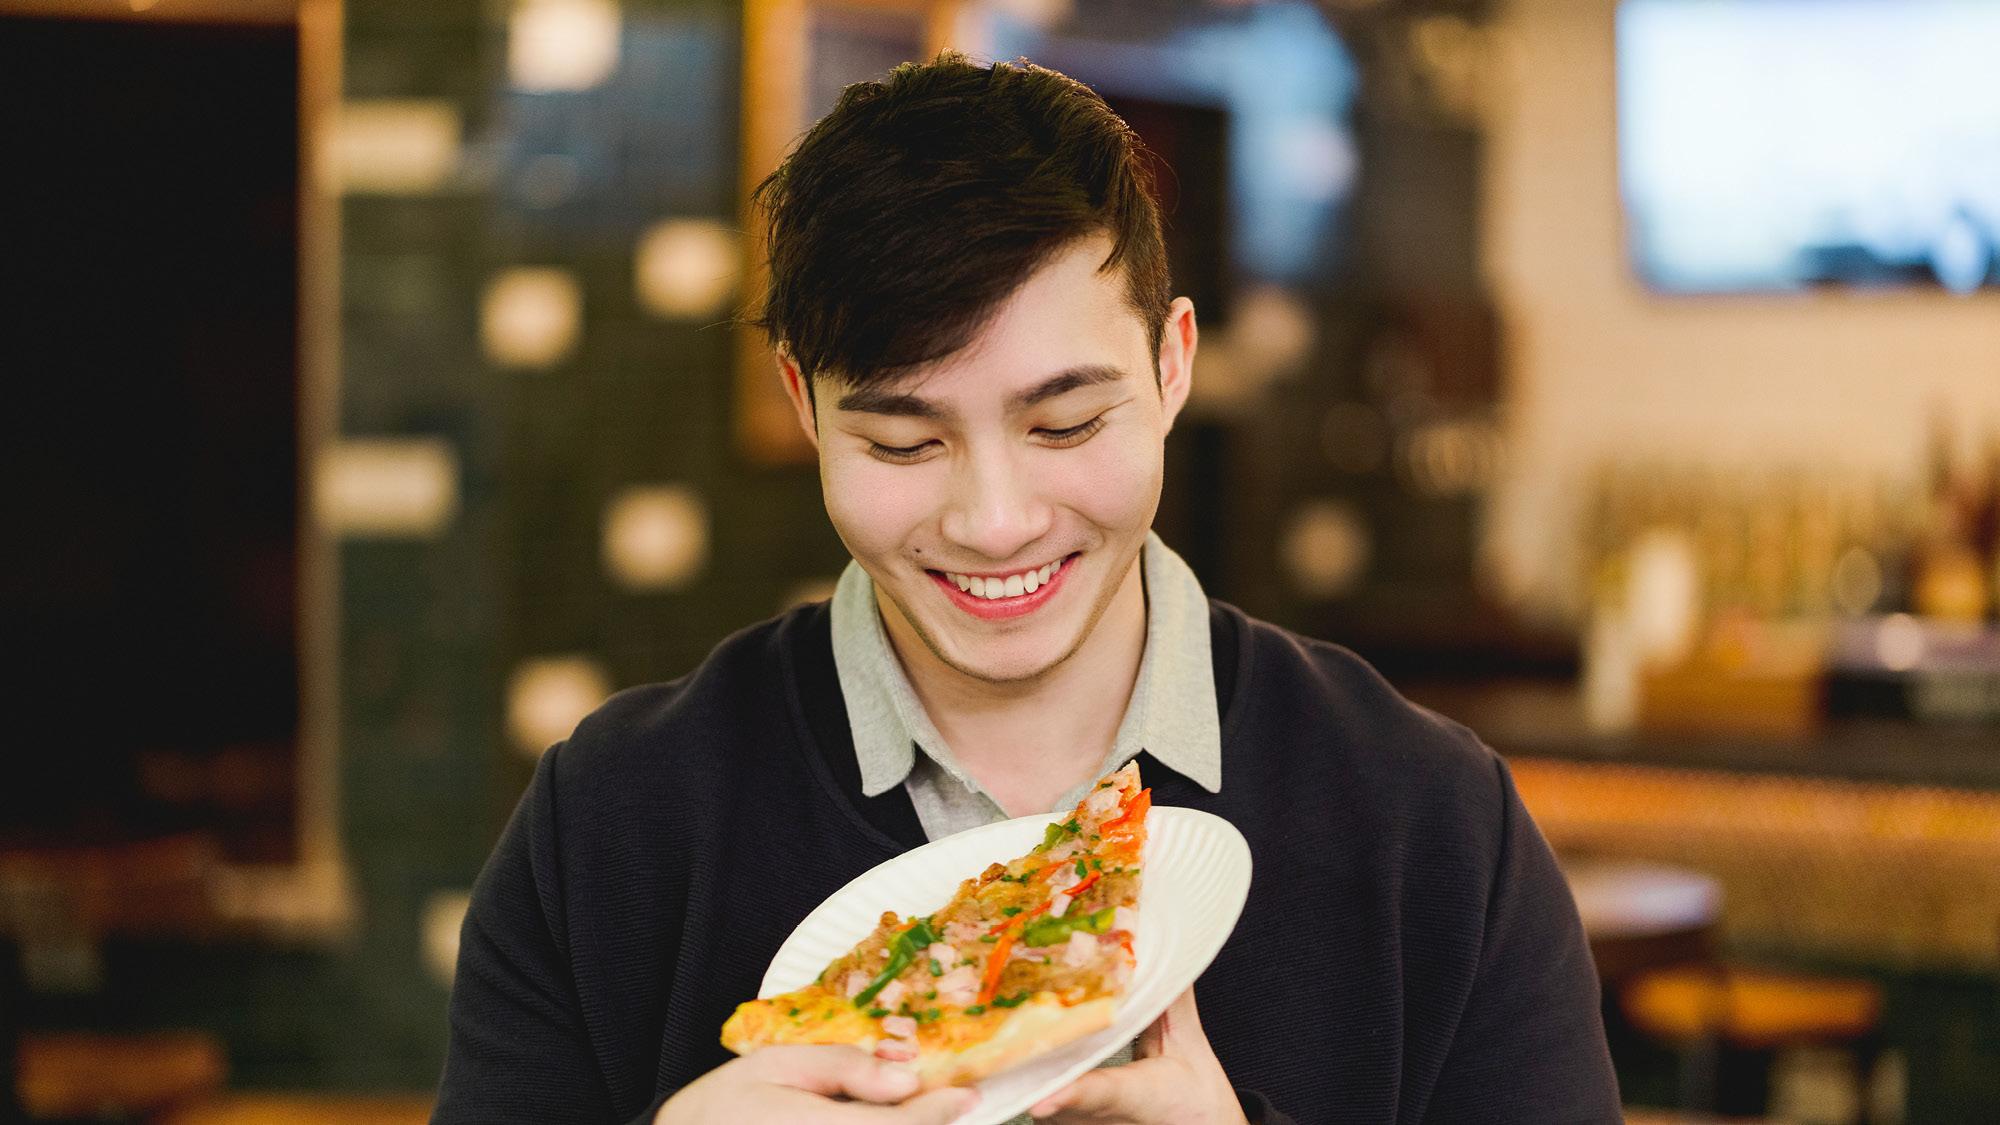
[1116, 486]
[873, 509]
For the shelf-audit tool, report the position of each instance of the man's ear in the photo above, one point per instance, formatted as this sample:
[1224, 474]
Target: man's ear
[800, 393]
[1177, 345]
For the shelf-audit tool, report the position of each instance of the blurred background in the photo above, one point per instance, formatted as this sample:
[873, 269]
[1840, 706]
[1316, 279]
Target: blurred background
[1621, 377]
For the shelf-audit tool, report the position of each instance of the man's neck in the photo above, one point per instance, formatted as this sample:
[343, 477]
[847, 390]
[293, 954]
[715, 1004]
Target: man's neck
[1028, 742]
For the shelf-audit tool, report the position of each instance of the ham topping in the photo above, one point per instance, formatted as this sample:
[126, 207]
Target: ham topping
[963, 978]
[1081, 948]
[1121, 972]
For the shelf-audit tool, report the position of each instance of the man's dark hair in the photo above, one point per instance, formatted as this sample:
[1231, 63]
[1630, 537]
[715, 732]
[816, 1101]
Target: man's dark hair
[905, 217]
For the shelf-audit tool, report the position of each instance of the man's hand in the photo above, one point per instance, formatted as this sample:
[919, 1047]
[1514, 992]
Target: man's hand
[1174, 1078]
[800, 1084]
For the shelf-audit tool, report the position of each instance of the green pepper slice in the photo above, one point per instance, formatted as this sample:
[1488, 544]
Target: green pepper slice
[1052, 931]
[902, 952]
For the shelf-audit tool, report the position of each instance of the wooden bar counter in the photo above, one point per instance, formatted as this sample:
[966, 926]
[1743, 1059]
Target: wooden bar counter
[1871, 843]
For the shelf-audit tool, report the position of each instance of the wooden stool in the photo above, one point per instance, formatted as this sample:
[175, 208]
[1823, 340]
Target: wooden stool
[1734, 1020]
[1642, 916]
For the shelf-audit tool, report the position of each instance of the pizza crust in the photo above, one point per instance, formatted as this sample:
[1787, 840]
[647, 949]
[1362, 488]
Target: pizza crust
[1038, 1026]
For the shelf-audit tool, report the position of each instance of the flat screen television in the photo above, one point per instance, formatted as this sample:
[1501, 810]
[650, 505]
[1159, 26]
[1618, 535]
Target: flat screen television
[1785, 144]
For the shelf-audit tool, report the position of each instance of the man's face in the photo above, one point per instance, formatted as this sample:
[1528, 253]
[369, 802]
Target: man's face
[1036, 450]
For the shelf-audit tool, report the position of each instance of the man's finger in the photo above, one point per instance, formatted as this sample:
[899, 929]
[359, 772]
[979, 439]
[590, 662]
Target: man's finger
[832, 1070]
[1109, 1092]
[1174, 1024]
[1148, 1044]
[1053, 1104]
[939, 1107]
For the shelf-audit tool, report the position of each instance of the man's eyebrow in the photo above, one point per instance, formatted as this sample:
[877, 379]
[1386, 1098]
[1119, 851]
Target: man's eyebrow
[1087, 375]
[876, 400]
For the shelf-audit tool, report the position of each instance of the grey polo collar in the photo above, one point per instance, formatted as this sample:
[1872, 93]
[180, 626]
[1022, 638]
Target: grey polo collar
[1171, 714]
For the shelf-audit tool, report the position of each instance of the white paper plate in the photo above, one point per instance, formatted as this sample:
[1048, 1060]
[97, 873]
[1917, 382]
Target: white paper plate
[1197, 874]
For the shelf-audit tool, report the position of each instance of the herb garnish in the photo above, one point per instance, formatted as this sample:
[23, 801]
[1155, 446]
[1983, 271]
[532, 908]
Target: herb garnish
[902, 951]
[1056, 833]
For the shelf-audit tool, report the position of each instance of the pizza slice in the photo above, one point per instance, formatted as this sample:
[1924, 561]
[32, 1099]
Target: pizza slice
[1030, 955]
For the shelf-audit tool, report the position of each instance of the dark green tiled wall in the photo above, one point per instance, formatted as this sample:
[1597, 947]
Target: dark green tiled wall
[432, 627]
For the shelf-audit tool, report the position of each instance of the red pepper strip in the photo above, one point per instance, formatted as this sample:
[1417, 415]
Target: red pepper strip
[1044, 873]
[995, 965]
[1137, 806]
[1082, 886]
[1018, 919]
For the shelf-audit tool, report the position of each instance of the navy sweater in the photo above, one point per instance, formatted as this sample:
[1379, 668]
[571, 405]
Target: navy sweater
[1409, 951]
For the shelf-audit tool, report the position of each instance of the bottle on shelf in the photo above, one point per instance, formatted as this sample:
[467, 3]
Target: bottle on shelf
[1986, 525]
[1949, 580]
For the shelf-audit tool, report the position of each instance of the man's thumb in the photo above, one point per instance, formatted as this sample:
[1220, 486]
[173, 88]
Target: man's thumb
[939, 1107]
[836, 1071]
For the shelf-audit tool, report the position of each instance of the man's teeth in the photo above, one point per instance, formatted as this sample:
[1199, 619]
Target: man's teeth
[1012, 586]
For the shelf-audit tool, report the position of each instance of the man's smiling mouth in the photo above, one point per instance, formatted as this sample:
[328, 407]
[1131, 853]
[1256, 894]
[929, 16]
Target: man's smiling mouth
[987, 595]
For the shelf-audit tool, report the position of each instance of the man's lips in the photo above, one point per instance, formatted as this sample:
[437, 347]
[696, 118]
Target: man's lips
[995, 609]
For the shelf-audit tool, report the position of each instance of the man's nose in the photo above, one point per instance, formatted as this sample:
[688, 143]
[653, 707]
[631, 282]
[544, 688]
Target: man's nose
[995, 508]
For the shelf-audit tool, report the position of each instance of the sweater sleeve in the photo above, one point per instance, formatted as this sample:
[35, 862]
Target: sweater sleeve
[1529, 1046]
[1257, 1109]
[518, 1049]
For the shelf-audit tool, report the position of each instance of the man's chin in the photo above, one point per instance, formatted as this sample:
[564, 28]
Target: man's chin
[1004, 663]
[1018, 651]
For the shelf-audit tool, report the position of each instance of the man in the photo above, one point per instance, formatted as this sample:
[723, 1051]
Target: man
[971, 310]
